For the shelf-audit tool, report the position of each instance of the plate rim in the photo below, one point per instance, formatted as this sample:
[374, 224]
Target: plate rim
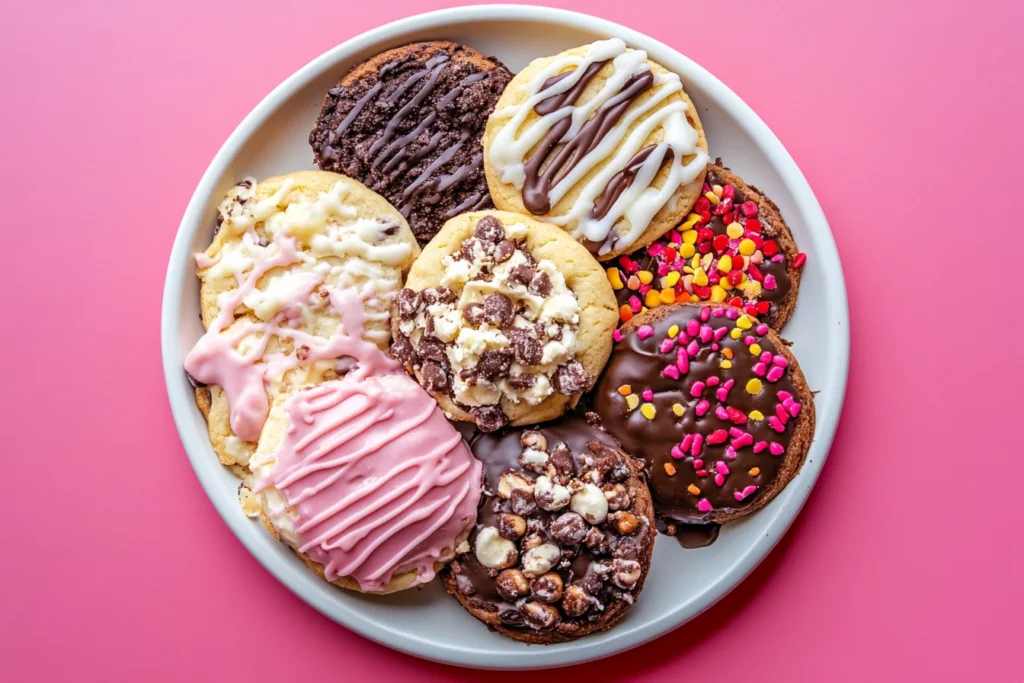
[305, 585]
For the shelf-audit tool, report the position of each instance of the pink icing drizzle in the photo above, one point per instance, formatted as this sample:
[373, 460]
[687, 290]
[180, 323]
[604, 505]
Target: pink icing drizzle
[379, 479]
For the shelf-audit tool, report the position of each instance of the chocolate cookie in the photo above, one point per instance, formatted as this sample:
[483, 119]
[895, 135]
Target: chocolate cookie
[714, 403]
[564, 536]
[408, 124]
[733, 248]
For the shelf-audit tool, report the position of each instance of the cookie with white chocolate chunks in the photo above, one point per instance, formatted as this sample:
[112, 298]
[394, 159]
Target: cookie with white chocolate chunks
[733, 248]
[600, 141]
[564, 536]
[504, 319]
[292, 258]
[714, 403]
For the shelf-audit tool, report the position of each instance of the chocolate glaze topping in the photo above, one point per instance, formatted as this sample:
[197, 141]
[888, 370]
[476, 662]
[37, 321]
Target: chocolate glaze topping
[412, 133]
[598, 565]
[718, 465]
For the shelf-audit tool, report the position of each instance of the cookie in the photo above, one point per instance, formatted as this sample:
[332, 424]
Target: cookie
[504, 319]
[600, 141]
[733, 248]
[294, 260]
[563, 541]
[365, 479]
[408, 123]
[714, 403]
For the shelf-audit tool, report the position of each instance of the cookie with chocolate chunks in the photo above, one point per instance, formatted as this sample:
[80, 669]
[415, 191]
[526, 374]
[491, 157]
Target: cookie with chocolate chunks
[408, 124]
[733, 248]
[564, 536]
[714, 403]
[504, 320]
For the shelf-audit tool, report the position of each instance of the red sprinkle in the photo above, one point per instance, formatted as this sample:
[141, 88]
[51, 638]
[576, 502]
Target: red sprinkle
[721, 243]
[799, 260]
[702, 205]
[771, 248]
[753, 225]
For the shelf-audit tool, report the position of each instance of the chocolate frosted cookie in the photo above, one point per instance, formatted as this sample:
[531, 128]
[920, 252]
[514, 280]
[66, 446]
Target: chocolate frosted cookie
[600, 141]
[505, 320]
[733, 248]
[408, 124]
[714, 403]
[564, 536]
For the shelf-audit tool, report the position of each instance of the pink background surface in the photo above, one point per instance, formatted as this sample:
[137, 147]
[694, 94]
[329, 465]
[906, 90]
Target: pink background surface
[906, 564]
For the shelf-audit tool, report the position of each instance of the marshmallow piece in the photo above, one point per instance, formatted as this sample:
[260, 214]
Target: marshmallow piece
[590, 503]
[493, 551]
[539, 560]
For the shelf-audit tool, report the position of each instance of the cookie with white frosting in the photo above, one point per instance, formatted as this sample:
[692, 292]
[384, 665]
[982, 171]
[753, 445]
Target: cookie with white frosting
[600, 141]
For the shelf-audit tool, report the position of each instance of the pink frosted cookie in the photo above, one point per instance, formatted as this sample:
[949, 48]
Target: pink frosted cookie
[367, 481]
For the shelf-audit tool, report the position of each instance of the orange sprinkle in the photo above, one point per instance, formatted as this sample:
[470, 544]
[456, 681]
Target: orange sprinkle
[693, 489]
[626, 313]
[670, 469]
[727, 352]
[625, 390]
[754, 471]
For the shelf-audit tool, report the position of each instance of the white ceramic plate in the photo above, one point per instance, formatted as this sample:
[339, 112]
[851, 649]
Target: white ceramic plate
[428, 623]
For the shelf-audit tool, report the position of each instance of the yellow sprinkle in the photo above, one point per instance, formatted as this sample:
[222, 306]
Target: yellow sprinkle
[652, 299]
[695, 261]
[747, 246]
[725, 364]
[690, 221]
[644, 309]
[689, 237]
[686, 250]
[614, 278]
[673, 331]
[734, 231]
[678, 409]
[648, 411]
[693, 490]
[706, 261]
[632, 401]
[752, 288]
[672, 278]
[724, 282]
[717, 189]
[700, 277]
[713, 198]
[755, 349]
[754, 386]
[744, 322]
[727, 352]
[625, 390]
[755, 415]
[736, 333]
[645, 276]
[725, 264]
[668, 296]
[718, 294]
[670, 469]
[754, 471]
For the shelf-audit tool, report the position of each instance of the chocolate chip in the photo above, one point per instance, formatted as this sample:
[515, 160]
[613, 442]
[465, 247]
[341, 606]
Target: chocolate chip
[473, 314]
[528, 350]
[498, 309]
[571, 378]
[503, 251]
[489, 229]
[626, 550]
[430, 348]
[512, 617]
[540, 284]
[468, 249]
[438, 295]
[494, 363]
[561, 460]
[522, 501]
[402, 350]
[434, 377]
[489, 418]
[597, 542]
[407, 302]
[521, 381]
[569, 529]
[347, 364]
[618, 472]
[592, 583]
[522, 274]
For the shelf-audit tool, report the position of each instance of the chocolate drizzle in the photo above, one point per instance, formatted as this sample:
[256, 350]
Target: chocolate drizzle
[411, 131]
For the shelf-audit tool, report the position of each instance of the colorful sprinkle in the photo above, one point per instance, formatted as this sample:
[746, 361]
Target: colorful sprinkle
[745, 493]
[678, 409]
[644, 332]
[625, 390]
[755, 415]
[693, 490]
[632, 401]
[648, 411]
[704, 505]
[754, 386]
[754, 471]
[615, 279]
[670, 469]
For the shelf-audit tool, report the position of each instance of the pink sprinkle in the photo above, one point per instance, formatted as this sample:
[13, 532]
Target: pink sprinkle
[677, 453]
[783, 395]
[693, 348]
[682, 361]
[667, 344]
[720, 333]
[720, 413]
[740, 495]
[698, 463]
[705, 314]
[722, 468]
[718, 436]
[776, 373]
[647, 395]
[705, 334]
[692, 327]
[742, 441]
[732, 313]
[714, 347]
[645, 331]
[656, 248]
[778, 258]
[663, 269]
[769, 282]
[793, 408]
[634, 303]
[686, 442]
[617, 335]
[720, 479]
[759, 369]
[713, 380]
[697, 389]
[704, 505]
[780, 411]
[766, 357]
[670, 371]
[721, 393]
[761, 330]
[777, 448]
[749, 339]
[730, 452]
[775, 424]
[734, 432]
[644, 289]
[749, 209]
[698, 443]
[702, 473]
[718, 312]
[760, 446]
[701, 408]
[780, 361]
[677, 237]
